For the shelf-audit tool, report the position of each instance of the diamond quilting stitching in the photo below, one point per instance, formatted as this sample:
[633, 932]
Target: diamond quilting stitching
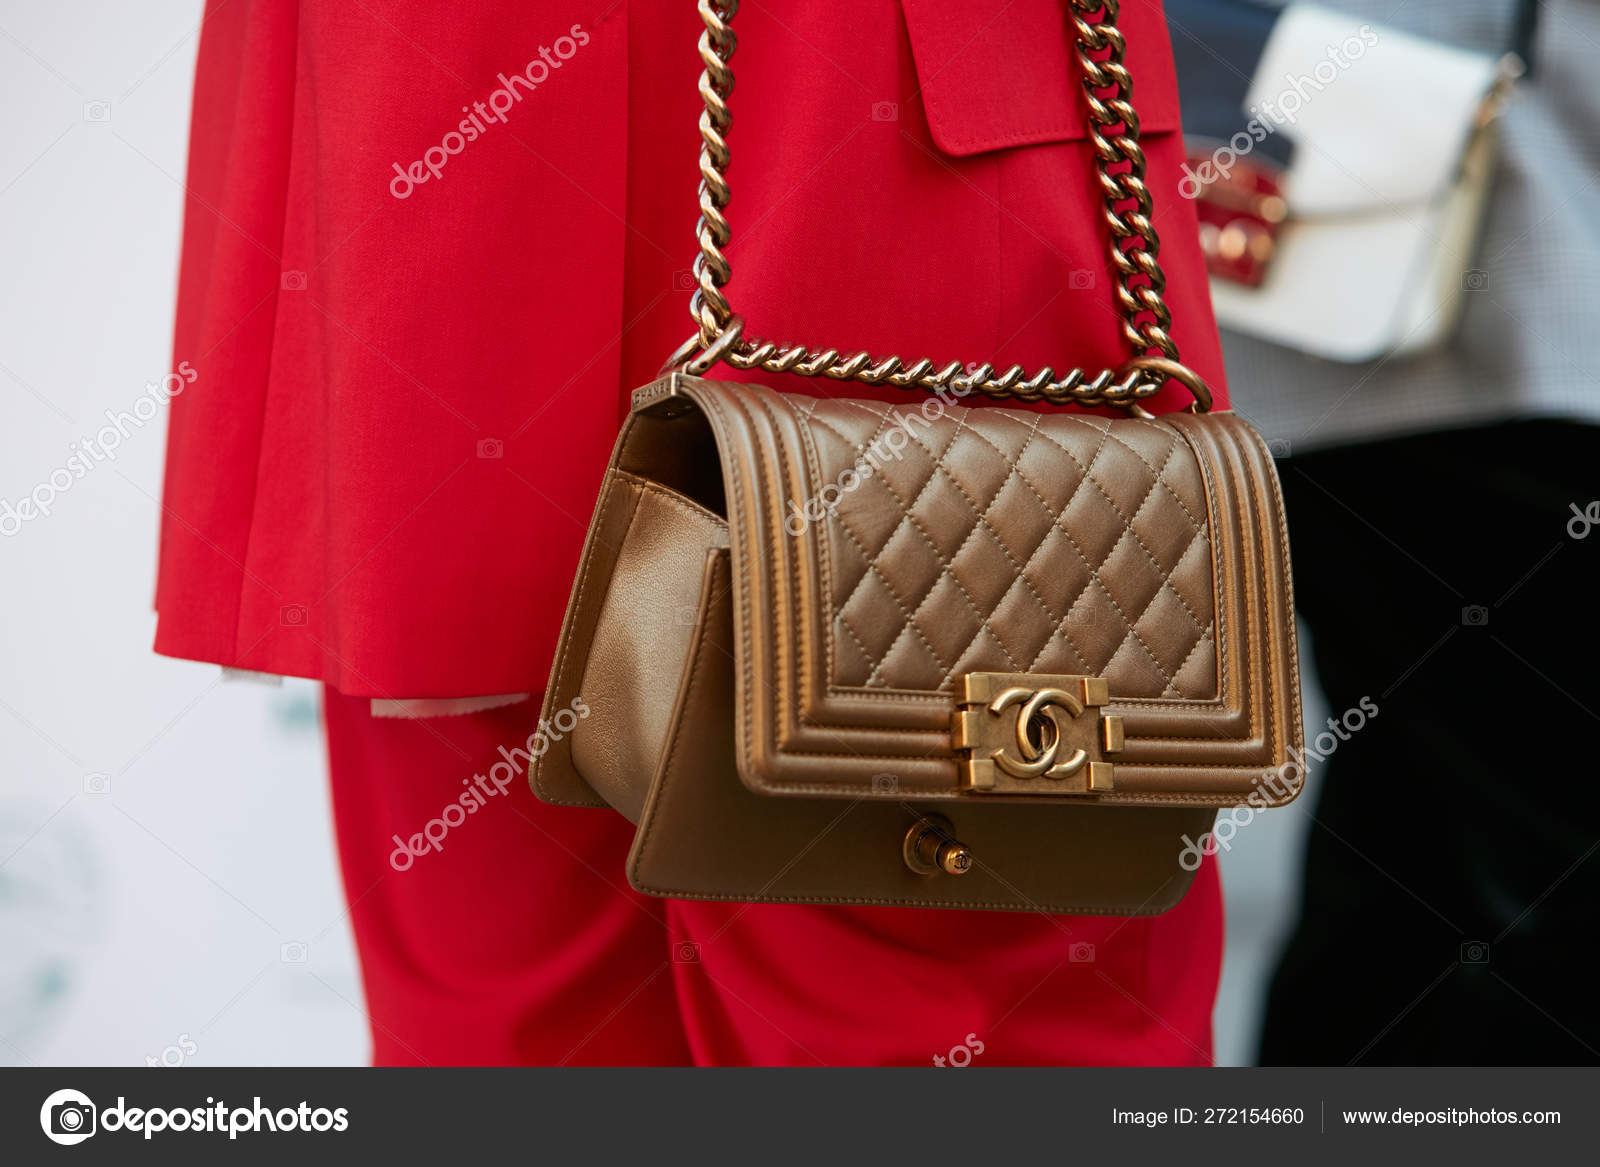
[1193, 522]
[982, 523]
[1056, 513]
[1132, 521]
[1157, 479]
[908, 511]
[808, 409]
[910, 624]
[1095, 568]
[945, 571]
[1010, 437]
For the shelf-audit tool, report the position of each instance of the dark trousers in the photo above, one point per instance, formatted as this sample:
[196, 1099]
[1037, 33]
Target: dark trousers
[1452, 879]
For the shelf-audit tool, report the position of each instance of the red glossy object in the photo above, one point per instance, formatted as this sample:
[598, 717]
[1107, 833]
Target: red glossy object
[1240, 214]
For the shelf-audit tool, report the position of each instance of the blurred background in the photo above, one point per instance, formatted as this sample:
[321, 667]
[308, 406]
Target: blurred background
[168, 887]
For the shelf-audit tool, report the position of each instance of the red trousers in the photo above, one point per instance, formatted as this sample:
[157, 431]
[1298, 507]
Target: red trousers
[510, 937]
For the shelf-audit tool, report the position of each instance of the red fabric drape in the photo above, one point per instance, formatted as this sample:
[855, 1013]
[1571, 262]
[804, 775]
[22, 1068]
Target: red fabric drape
[382, 474]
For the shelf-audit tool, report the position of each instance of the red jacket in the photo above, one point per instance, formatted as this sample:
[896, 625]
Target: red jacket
[430, 247]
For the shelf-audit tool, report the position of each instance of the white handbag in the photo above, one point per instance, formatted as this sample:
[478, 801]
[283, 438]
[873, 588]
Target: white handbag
[1366, 246]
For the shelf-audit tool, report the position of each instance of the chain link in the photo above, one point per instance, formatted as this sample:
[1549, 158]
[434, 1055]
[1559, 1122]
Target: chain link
[1134, 245]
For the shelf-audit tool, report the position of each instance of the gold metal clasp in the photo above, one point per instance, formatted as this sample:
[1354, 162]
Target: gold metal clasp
[931, 848]
[1035, 733]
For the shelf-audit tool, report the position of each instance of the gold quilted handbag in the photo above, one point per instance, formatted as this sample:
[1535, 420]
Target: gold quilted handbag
[1017, 665]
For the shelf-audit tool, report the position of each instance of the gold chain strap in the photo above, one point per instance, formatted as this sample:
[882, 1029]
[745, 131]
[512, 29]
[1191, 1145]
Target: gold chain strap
[1114, 132]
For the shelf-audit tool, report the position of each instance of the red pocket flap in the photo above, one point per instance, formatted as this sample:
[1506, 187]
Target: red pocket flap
[1007, 75]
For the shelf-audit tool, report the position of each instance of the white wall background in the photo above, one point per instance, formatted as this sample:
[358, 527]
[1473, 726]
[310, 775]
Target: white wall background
[159, 907]
[168, 886]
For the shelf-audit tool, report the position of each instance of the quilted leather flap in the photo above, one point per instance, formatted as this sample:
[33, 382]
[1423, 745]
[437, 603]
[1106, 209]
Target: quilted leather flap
[899, 568]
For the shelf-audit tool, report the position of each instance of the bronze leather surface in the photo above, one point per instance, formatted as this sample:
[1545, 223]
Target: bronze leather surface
[554, 777]
[1148, 551]
[772, 701]
[640, 641]
[704, 835]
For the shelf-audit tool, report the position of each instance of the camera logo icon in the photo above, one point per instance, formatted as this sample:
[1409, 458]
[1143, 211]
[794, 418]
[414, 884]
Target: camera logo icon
[293, 615]
[68, 1117]
[885, 111]
[1475, 280]
[491, 448]
[1474, 616]
[1474, 952]
[686, 952]
[97, 111]
[1081, 953]
[1582, 522]
[1081, 280]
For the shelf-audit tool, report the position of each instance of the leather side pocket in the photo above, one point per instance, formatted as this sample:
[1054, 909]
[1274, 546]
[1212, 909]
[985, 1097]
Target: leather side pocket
[641, 639]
